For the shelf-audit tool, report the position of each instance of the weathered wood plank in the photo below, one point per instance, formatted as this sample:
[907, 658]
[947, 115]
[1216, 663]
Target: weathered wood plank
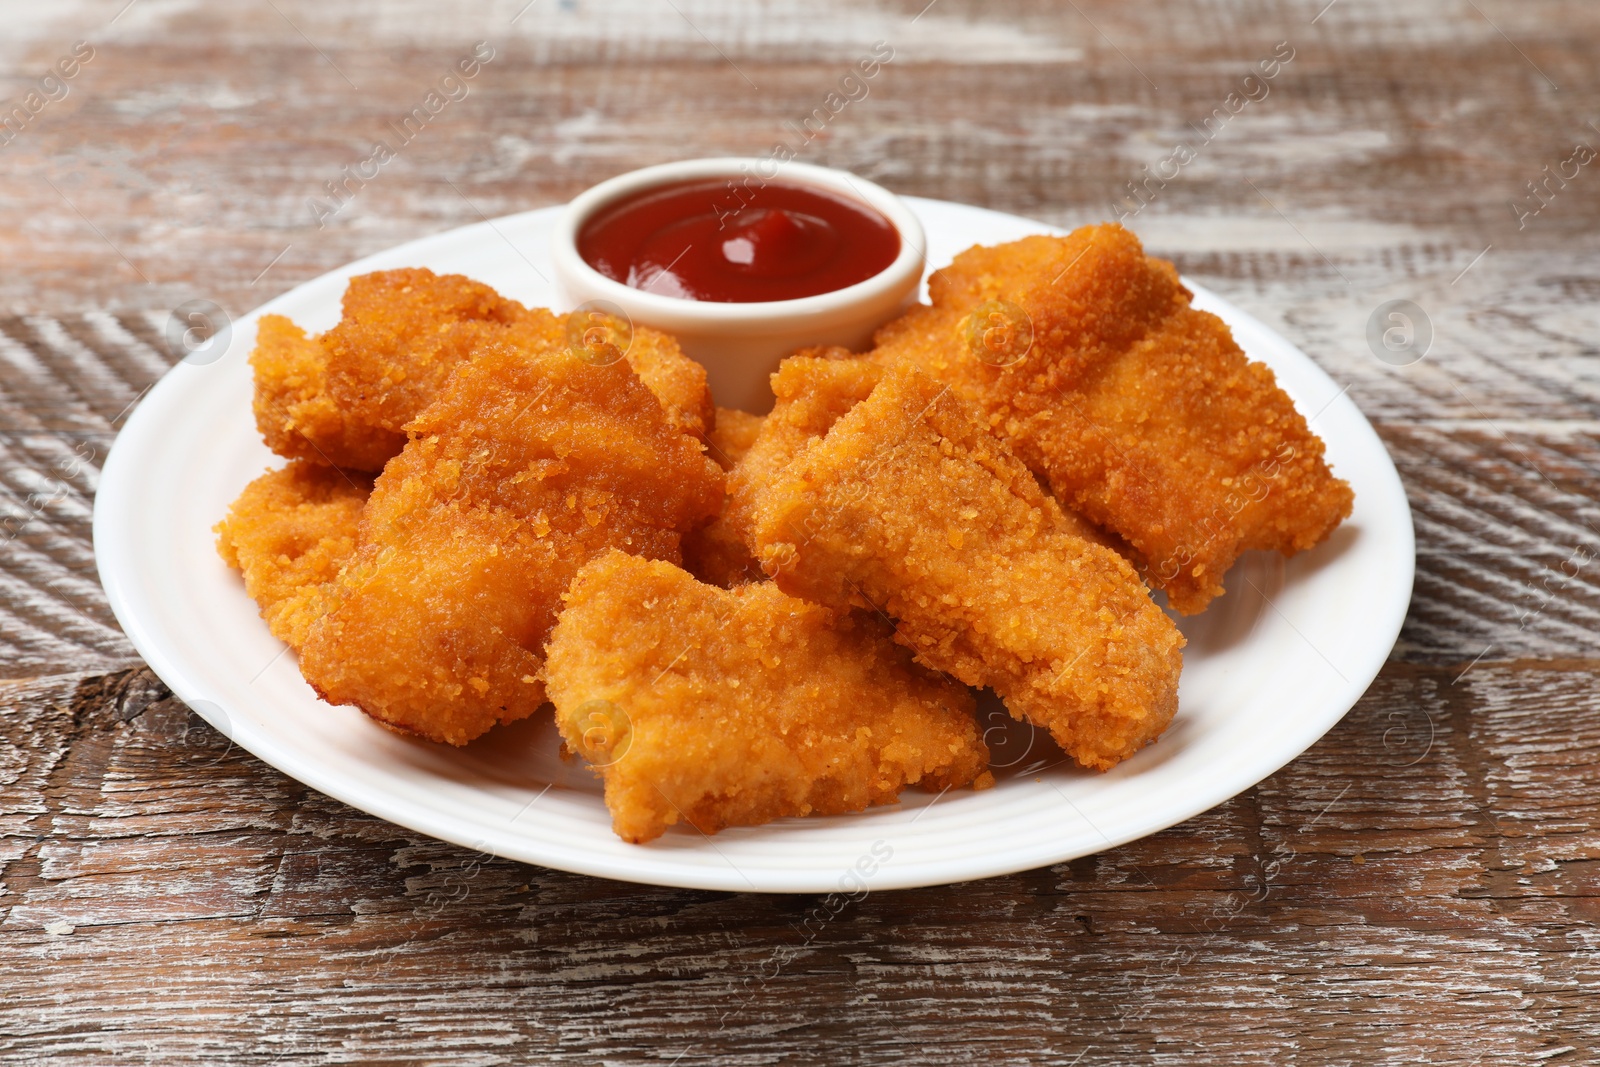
[1429, 859]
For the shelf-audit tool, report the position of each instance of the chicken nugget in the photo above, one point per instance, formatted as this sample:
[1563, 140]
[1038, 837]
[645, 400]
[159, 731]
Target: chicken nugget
[736, 707]
[290, 533]
[527, 465]
[297, 417]
[732, 435]
[1141, 412]
[344, 398]
[717, 553]
[812, 390]
[401, 337]
[908, 505]
[677, 381]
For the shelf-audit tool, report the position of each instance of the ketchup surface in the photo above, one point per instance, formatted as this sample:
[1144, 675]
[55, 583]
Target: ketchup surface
[705, 240]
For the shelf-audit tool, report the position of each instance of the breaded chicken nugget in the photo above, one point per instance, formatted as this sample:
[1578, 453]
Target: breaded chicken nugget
[732, 435]
[400, 339]
[717, 553]
[813, 389]
[297, 417]
[909, 505]
[526, 466]
[677, 381]
[344, 398]
[290, 533]
[1142, 413]
[735, 707]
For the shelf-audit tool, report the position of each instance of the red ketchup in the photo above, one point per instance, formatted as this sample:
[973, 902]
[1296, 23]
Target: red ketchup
[712, 241]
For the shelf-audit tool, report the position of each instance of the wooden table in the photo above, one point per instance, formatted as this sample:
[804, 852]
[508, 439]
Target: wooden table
[1421, 886]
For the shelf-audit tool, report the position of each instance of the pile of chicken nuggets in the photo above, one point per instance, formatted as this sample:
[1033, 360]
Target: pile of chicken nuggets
[740, 618]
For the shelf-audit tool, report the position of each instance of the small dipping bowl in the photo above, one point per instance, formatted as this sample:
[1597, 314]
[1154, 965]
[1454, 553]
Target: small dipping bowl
[740, 344]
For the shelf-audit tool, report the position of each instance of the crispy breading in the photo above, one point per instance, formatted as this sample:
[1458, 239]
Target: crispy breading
[296, 416]
[401, 337]
[733, 433]
[677, 381]
[526, 465]
[717, 552]
[910, 506]
[812, 389]
[290, 533]
[344, 398]
[736, 707]
[1140, 411]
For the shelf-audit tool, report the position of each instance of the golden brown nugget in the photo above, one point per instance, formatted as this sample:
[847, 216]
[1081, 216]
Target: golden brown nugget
[404, 332]
[677, 381]
[909, 505]
[402, 335]
[290, 533]
[344, 398]
[732, 435]
[523, 469]
[717, 553]
[1142, 413]
[736, 707]
[297, 417]
[812, 390]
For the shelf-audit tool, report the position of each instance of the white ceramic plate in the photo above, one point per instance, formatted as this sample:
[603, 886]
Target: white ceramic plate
[1269, 668]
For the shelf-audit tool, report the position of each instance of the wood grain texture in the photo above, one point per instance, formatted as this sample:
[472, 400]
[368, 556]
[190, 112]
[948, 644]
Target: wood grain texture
[1422, 886]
